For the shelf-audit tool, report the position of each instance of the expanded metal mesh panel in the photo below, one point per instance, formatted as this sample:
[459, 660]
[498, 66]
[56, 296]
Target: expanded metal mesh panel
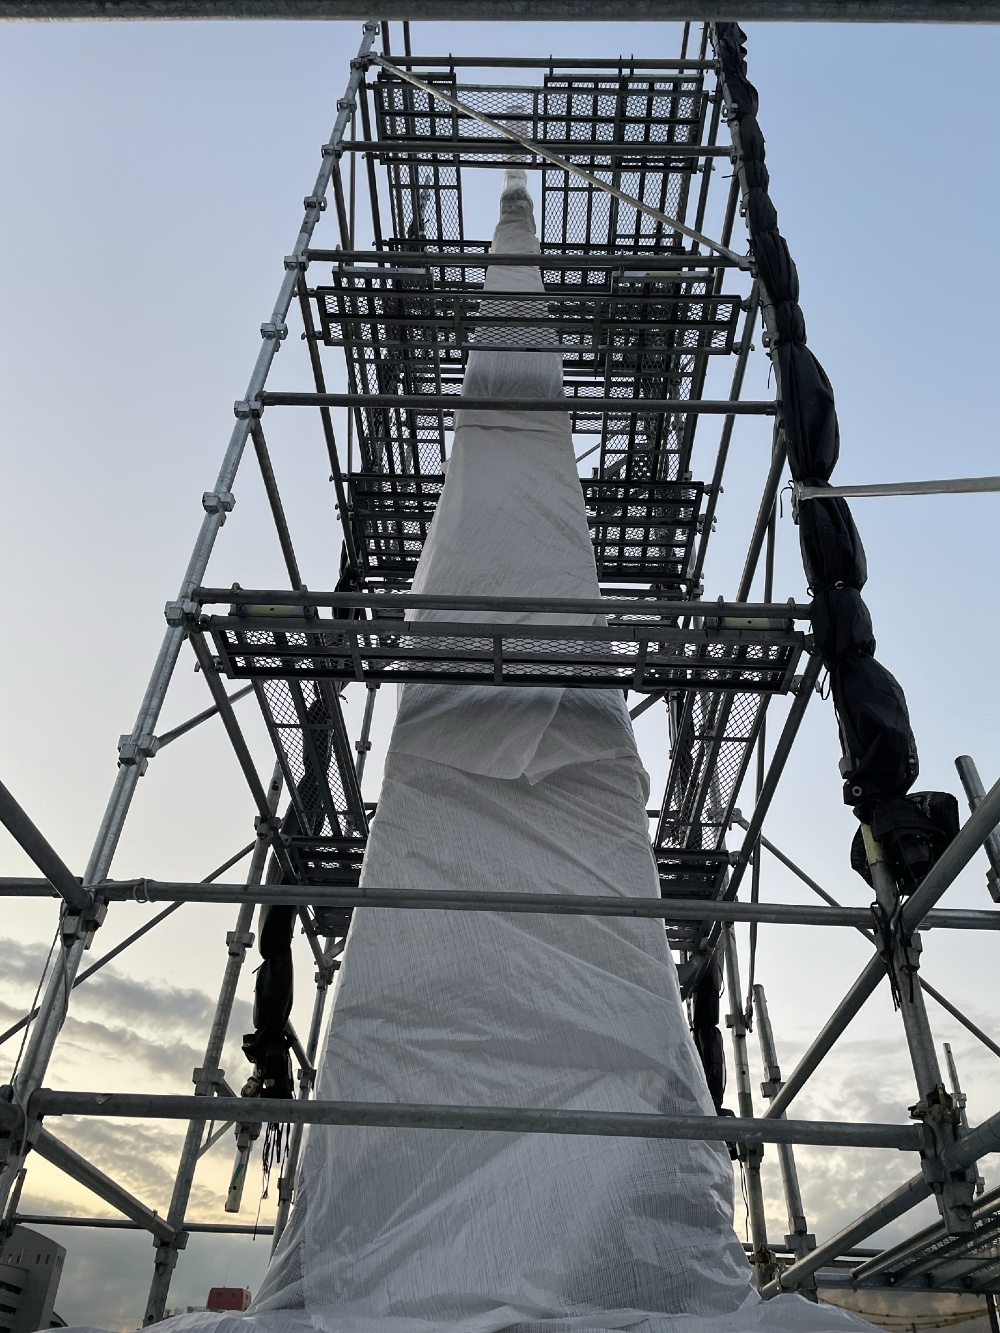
[689, 874]
[424, 194]
[710, 755]
[310, 746]
[647, 112]
[631, 653]
[640, 335]
[325, 860]
[618, 120]
[963, 1262]
[642, 533]
[391, 518]
[639, 133]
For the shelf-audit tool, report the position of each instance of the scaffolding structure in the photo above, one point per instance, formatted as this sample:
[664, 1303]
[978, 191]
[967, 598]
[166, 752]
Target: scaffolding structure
[656, 306]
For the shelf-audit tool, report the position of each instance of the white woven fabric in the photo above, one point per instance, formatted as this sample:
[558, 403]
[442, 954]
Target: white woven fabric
[431, 1231]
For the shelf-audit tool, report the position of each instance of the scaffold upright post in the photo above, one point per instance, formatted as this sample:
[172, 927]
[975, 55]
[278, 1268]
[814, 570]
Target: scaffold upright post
[799, 1240]
[208, 1078]
[750, 1154]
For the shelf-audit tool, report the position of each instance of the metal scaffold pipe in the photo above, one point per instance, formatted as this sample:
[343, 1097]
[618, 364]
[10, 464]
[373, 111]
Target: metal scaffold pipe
[22, 829]
[473, 900]
[548, 11]
[502, 1119]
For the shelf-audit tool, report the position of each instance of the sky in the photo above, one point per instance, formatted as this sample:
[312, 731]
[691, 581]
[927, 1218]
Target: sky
[153, 177]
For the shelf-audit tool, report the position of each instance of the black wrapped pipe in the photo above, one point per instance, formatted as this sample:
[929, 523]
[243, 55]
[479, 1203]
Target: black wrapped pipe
[268, 1047]
[880, 753]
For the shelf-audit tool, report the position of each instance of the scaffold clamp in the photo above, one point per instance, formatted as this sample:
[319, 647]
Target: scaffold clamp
[177, 614]
[218, 502]
[274, 329]
[137, 750]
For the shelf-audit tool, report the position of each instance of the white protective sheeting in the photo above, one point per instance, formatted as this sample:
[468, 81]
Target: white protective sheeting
[414, 1231]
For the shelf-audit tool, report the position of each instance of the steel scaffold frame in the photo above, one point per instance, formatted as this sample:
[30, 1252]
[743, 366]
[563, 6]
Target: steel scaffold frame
[636, 288]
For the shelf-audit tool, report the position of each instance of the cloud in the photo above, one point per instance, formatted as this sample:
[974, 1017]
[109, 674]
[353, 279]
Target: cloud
[119, 1024]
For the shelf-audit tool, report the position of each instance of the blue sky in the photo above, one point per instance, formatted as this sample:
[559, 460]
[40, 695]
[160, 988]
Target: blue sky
[153, 175]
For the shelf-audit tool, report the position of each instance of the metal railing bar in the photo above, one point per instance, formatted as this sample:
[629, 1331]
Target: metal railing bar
[450, 148]
[579, 404]
[594, 606]
[639, 260]
[948, 486]
[122, 1224]
[462, 900]
[502, 1119]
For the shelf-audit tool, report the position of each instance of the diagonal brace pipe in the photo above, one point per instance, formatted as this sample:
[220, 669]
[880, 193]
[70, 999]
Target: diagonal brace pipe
[93, 1178]
[24, 831]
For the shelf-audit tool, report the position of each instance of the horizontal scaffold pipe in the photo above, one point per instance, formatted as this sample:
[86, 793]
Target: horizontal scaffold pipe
[521, 11]
[471, 900]
[447, 149]
[633, 260]
[503, 1119]
[123, 1224]
[453, 402]
[594, 606]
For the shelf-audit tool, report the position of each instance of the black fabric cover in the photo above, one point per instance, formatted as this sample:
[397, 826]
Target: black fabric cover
[706, 1033]
[876, 731]
[881, 753]
[267, 1047]
[812, 433]
[913, 831]
[842, 626]
[832, 554]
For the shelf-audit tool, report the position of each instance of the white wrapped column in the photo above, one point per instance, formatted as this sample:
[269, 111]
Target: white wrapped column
[506, 790]
[511, 790]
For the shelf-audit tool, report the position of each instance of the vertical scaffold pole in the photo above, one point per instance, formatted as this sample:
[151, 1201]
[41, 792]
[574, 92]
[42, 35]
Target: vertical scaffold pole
[751, 1155]
[136, 749]
[307, 1078]
[798, 1239]
[207, 1079]
[936, 1108]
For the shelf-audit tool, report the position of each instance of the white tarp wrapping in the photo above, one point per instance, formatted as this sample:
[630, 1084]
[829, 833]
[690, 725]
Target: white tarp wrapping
[409, 1231]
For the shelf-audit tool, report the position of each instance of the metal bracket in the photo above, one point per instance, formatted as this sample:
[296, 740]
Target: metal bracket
[941, 1117]
[218, 502]
[274, 329]
[177, 614]
[133, 749]
[314, 201]
[266, 827]
[238, 944]
[248, 408]
[296, 263]
[208, 1077]
[79, 925]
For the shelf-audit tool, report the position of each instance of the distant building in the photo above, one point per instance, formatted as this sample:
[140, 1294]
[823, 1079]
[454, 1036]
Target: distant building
[30, 1268]
[228, 1298]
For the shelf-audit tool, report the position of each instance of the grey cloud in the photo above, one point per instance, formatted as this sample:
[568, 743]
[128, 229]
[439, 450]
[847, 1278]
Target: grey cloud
[111, 992]
[140, 1156]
